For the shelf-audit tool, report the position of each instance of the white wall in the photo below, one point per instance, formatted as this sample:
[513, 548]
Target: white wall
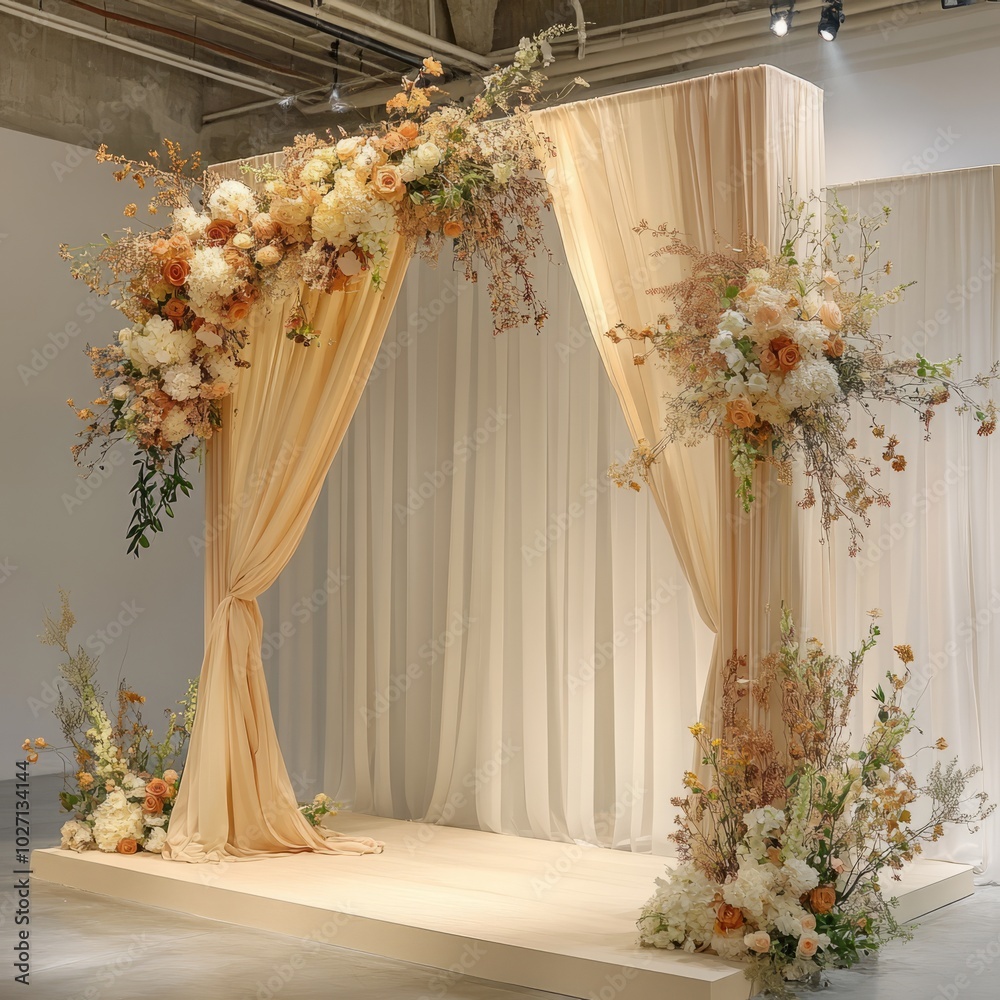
[55, 529]
[909, 90]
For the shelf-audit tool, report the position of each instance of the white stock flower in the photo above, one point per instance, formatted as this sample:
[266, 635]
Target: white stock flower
[502, 172]
[723, 342]
[757, 382]
[116, 818]
[735, 386]
[75, 836]
[182, 382]
[232, 200]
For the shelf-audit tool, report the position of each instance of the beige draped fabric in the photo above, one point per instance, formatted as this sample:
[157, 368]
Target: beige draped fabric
[266, 467]
[714, 155]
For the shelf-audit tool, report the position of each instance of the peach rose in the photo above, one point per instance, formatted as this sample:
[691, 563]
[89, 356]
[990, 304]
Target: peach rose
[409, 131]
[808, 922]
[170, 776]
[787, 351]
[127, 845]
[152, 805]
[219, 230]
[808, 945]
[758, 941]
[235, 309]
[393, 142]
[728, 918]
[388, 183]
[161, 248]
[174, 308]
[740, 413]
[830, 315]
[180, 245]
[453, 228]
[268, 256]
[264, 227]
[823, 898]
[157, 787]
[834, 346]
[175, 272]
[766, 316]
[769, 361]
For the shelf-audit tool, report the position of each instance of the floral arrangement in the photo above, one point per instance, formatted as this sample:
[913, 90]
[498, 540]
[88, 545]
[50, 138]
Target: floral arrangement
[432, 174]
[783, 845]
[770, 352]
[321, 805]
[124, 782]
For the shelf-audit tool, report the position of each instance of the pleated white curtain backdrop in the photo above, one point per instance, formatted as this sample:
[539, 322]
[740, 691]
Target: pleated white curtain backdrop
[479, 628]
[930, 561]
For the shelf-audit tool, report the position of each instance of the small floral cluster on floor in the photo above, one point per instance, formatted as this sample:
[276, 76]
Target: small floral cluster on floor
[121, 781]
[783, 841]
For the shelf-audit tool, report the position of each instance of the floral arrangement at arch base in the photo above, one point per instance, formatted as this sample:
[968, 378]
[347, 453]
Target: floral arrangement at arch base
[784, 847]
[434, 174]
[770, 351]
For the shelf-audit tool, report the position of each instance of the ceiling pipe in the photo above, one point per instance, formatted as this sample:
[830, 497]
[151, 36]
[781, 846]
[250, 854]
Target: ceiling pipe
[125, 44]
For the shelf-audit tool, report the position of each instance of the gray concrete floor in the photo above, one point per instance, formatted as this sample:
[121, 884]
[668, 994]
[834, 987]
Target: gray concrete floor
[87, 947]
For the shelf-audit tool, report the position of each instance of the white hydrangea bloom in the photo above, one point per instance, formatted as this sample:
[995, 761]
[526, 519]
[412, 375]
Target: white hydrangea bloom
[156, 840]
[211, 279]
[814, 381]
[191, 223]
[116, 818]
[75, 836]
[799, 877]
[223, 368]
[182, 382]
[232, 200]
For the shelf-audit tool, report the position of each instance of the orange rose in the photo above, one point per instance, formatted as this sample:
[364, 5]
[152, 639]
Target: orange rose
[830, 315]
[823, 898]
[175, 272]
[388, 183]
[219, 230]
[787, 352]
[740, 413]
[127, 846]
[152, 805]
[157, 787]
[834, 346]
[409, 131]
[453, 228]
[728, 918]
[174, 308]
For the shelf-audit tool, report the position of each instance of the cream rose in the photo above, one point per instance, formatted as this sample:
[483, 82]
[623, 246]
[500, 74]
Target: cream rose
[830, 315]
[758, 941]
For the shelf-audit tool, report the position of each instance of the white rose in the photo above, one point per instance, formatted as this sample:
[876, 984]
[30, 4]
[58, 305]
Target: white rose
[757, 382]
[407, 169]
[347, 148]
[315, 170]
[120, 392]
[427, 156]
[243, 241]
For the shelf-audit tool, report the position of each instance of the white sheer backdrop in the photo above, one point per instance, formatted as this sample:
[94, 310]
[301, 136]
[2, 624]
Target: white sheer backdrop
[930, 562]
[438, 662]
[479, 628]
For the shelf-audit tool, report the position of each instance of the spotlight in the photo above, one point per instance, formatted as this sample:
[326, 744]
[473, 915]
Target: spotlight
[830, 19]
[782, 12]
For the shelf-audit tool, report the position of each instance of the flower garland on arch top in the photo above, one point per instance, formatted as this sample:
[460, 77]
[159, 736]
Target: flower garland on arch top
[465, 176]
